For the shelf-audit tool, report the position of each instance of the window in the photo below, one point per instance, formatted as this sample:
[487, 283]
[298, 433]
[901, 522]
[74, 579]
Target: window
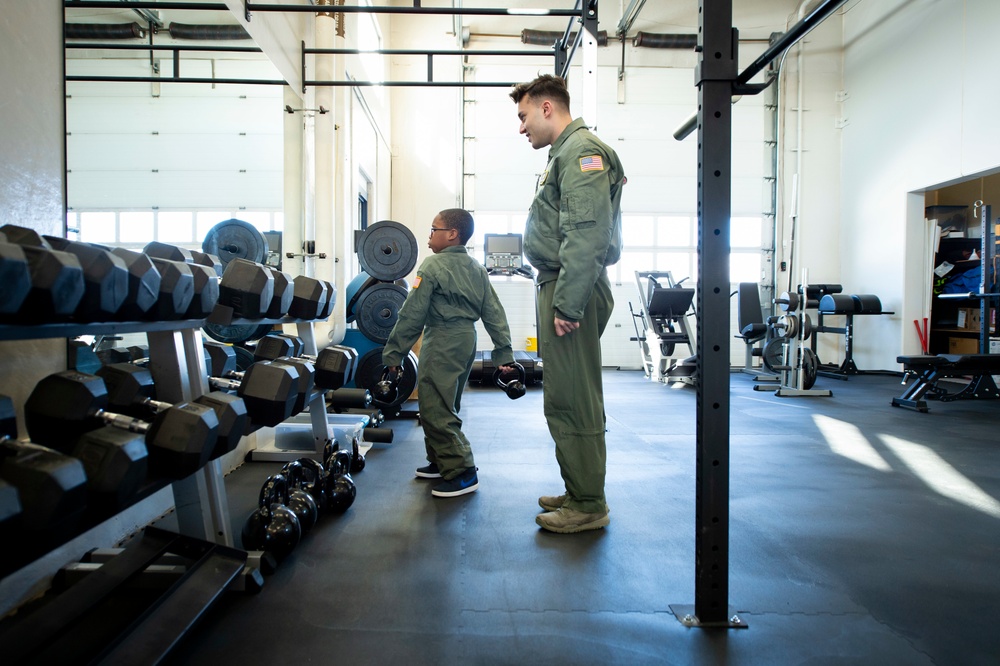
[97, 227]
[136, 228]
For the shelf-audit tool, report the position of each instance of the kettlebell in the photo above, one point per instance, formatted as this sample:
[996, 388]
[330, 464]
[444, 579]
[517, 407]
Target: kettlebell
[342, 490]
[515, 387]
[299, 501]
[315, 483]
[357, 458]
[387, 387]
[272, 527]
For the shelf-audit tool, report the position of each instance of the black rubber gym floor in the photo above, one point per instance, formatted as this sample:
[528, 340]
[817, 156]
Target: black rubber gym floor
[860, 534]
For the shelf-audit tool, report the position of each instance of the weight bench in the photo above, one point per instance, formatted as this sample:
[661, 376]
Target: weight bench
[930, 369]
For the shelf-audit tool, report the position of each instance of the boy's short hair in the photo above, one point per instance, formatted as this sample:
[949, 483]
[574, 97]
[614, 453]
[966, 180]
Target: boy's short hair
[460, 220]
[544, 87]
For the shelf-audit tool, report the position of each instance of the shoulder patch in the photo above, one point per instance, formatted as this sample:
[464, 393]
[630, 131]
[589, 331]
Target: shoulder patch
[591, 163]
[416, 281]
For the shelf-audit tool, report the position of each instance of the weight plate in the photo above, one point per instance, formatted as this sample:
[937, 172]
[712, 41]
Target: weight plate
[387, 250]
[378, 309]
[236, 332]
[355, 289]
[810, 366]
[774, 354]
[235, 239]
[369, 373]
[788, 302]
[244, 358]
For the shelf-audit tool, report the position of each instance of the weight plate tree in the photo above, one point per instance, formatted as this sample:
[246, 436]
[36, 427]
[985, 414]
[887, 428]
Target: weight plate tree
[378, 309]
[387, 250]
[235, 239]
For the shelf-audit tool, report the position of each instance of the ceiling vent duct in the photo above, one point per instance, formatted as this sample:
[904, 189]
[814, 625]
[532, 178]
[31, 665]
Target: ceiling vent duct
[207, 32]
[548, 38]
[104, 31]
[653, 40]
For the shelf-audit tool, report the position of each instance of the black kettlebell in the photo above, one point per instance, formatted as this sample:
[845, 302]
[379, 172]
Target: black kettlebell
[515, 387]
[300, 501]
[273, 527]
[342, 490]
[357, 458]
[387, 387]
[315, 483]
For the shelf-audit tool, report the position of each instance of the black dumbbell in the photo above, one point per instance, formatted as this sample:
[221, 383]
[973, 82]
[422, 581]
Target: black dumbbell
[205, 286]
[64, 406]
[334, 365]
[311, 298]
[248, 288]
[270, 391]
[300, 501]
[15, 275]
[51, 487]
[272, 527]
[513, 388]
[284, 292]
[105, 278]
[144, 284]
[57, 285]
[131, 391]
[175, 253]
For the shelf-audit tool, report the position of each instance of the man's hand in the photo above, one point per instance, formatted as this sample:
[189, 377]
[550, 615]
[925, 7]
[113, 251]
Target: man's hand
[564, 327]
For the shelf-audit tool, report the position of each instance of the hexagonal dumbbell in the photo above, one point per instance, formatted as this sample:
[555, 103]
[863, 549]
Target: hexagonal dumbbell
[144, 284]
[270, 391]
[334, 365]
[66, 405]
[51, 487]
[105, 278]
[176, 253]
[248, 288]
[15, 276]
[57, 285]
[310, 298]
[131, 391]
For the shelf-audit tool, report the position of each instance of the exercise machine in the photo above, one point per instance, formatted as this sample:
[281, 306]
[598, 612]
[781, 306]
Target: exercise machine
[667, 313]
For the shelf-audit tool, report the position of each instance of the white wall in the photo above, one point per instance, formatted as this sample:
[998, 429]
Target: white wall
[920, 76]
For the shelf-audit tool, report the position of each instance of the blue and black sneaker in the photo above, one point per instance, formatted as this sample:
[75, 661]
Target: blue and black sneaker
[464, 483]
[429, 471]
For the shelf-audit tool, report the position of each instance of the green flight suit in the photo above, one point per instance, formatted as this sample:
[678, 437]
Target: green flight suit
[572, 234]
[450, 293]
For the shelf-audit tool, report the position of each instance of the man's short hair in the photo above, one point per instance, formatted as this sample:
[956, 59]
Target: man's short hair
[544, 87]
[460, 220]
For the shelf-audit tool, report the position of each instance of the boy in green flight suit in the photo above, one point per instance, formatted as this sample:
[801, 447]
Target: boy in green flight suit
[450, 293]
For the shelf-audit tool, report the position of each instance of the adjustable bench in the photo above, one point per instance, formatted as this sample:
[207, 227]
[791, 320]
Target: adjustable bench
[930, 369]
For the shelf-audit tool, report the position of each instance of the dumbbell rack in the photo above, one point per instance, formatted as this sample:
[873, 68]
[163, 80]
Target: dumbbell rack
[178, 367]
[318, 417]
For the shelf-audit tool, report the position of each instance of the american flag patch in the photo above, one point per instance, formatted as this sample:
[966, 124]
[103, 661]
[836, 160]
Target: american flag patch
[592, 163]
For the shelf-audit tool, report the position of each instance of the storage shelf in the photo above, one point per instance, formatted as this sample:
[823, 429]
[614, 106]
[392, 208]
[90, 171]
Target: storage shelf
[76, 329]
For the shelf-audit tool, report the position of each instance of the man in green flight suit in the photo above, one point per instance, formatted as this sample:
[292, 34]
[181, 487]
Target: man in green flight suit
[450, 293]
[572, 234]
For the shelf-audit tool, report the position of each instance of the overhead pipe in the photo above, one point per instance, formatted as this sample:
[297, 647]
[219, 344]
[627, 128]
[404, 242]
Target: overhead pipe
[315, 9]
[207, 32]
[664, 41]
[104, 31]
[549, 37]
